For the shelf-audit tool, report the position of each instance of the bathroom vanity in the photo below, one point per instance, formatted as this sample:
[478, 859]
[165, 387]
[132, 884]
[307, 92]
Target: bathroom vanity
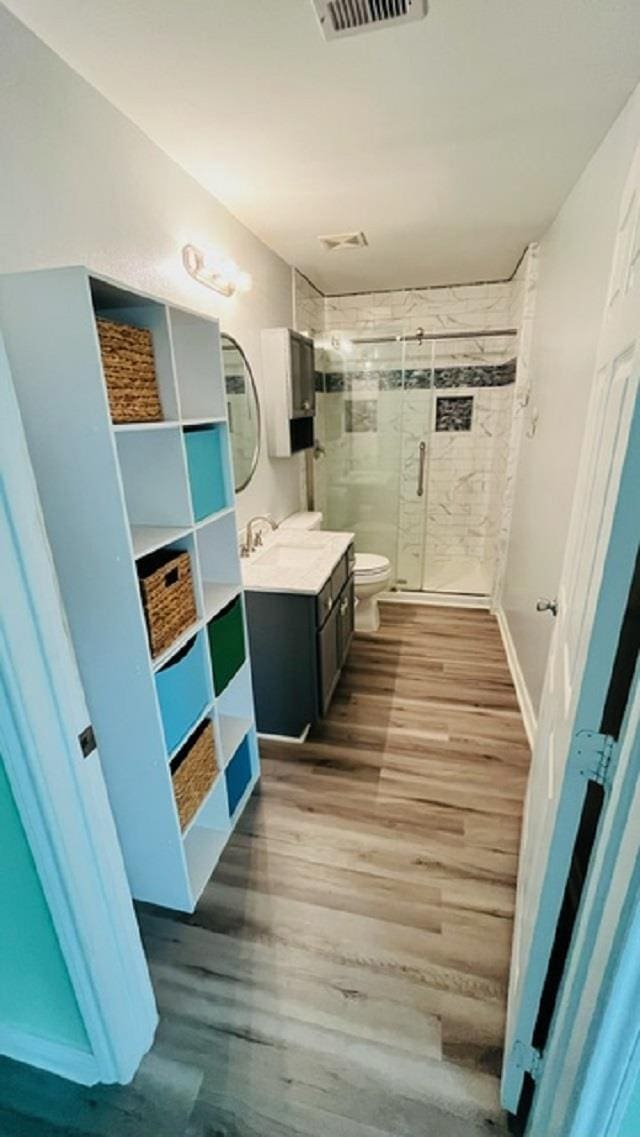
[299, 592]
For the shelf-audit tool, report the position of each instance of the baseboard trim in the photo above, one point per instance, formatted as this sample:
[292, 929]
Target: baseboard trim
[65, 1061]
[524, 700]
[440, 599]
[298, 739]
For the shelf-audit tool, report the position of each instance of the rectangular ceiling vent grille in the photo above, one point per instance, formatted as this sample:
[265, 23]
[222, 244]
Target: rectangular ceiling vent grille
[343, 241]
[349, 17]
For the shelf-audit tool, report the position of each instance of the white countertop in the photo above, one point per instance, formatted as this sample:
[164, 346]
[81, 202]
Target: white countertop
[294, 560]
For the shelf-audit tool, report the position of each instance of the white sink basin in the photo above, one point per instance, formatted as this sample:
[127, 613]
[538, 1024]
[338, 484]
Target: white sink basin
[287, 556]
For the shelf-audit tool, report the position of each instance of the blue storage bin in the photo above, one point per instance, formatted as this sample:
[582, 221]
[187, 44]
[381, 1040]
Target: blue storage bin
[206, 464]
[238, 774]
[182, 692]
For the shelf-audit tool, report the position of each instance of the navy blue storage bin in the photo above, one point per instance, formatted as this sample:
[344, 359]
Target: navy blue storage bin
[182, 691]
[238, 774]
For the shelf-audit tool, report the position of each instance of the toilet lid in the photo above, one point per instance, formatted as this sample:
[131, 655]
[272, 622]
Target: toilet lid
[368, 564]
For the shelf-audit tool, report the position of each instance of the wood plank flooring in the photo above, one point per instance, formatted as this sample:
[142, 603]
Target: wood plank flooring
[345, 973]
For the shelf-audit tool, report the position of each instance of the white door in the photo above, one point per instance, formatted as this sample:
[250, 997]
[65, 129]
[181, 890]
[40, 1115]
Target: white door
[569, 749]
[54, 772]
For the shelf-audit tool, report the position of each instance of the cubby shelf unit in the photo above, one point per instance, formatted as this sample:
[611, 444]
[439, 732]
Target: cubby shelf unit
[111, 494]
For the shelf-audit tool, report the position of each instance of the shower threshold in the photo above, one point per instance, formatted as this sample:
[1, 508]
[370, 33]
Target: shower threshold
[444, 599]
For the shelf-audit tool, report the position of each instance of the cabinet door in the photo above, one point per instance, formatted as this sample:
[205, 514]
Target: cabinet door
[303, 396]
[346, 607]
[328, 660]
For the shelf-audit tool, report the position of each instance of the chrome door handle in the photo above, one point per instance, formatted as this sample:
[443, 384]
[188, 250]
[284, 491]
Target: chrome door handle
[544, 605]
[421, 465]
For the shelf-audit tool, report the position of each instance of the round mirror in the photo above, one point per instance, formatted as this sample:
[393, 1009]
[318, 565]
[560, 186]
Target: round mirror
[244, 411]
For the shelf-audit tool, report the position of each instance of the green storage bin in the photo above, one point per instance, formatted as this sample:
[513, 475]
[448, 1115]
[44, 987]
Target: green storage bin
[226, 644]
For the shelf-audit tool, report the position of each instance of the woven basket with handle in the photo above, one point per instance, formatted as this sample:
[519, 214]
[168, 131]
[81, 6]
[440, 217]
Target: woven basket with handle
[193, 771]
[129, 370]
[169, 605]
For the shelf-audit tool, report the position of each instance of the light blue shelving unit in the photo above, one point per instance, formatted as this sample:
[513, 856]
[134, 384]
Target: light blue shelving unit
[112, 494]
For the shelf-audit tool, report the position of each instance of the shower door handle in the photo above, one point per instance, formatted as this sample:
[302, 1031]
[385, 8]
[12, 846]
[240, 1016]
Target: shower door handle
[422, 458]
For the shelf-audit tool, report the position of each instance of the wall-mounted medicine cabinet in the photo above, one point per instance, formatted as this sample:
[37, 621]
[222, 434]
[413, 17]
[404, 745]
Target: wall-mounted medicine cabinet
[289, 370]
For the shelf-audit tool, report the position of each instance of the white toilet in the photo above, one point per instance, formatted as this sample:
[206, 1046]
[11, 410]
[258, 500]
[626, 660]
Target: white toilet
[371, 576]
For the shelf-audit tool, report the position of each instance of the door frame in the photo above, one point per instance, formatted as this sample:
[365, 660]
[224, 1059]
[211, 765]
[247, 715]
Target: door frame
[60, 794]
[593, 1051]
[602, 547]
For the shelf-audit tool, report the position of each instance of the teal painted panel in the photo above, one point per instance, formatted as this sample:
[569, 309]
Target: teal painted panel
[206, 470]
[630, 1126]
[36, 995]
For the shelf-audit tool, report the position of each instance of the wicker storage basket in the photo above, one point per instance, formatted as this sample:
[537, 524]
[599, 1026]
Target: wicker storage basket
[167, 597]
[129, 371]
[193, 771]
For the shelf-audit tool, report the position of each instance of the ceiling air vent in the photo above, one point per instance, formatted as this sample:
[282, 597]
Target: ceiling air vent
[343, 241]
[348, 17]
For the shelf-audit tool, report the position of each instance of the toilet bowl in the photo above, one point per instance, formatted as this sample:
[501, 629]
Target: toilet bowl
[372, 575]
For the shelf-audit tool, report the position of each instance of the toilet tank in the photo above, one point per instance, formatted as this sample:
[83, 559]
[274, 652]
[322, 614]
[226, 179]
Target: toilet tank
[304, 520]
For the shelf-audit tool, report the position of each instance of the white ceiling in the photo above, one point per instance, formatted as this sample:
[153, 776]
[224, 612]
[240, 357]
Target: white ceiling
[451, 143]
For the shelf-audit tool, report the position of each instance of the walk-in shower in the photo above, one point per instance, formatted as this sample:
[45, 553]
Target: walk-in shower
[415, 433]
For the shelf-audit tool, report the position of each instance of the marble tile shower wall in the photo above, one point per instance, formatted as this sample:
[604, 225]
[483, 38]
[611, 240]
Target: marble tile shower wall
[448, 538]
[473, 307]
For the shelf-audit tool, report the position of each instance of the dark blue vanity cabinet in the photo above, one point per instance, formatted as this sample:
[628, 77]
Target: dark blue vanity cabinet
[298, 644]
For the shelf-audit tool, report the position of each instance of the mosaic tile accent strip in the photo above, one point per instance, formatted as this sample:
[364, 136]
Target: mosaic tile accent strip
[454, 413]
[496, 375]
[360, 416]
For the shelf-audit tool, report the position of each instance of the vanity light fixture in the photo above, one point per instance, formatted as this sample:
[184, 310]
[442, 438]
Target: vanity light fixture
[219, 273]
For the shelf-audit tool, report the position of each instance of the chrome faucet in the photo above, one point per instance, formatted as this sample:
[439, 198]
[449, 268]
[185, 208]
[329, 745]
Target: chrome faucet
[251, 542]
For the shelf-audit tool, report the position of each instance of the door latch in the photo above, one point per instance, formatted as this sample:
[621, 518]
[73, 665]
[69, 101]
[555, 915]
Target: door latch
[544, 605]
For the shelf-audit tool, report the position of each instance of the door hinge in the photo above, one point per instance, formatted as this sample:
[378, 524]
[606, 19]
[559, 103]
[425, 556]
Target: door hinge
[87, 740]
[594, 756]
[527, 1059]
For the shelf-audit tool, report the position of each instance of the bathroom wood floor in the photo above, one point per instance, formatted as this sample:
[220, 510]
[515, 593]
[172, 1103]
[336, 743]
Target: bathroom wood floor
[345, 973]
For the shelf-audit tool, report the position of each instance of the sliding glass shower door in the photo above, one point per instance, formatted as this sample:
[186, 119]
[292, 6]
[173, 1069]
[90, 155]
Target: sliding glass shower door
[415, 432]
[367, 479]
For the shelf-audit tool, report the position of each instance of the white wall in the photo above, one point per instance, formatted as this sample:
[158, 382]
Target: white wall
[574, 265]
[80, 184]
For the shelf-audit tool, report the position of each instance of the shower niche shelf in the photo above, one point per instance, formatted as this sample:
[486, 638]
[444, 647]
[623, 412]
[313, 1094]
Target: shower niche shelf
[112, 494]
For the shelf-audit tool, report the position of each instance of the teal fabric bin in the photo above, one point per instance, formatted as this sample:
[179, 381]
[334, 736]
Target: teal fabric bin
[206, 464]
[182, 692]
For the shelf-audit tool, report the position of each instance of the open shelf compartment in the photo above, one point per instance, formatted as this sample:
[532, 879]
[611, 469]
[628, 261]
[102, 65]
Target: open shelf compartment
[123, 307]
[196, 351]
[154, 477]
